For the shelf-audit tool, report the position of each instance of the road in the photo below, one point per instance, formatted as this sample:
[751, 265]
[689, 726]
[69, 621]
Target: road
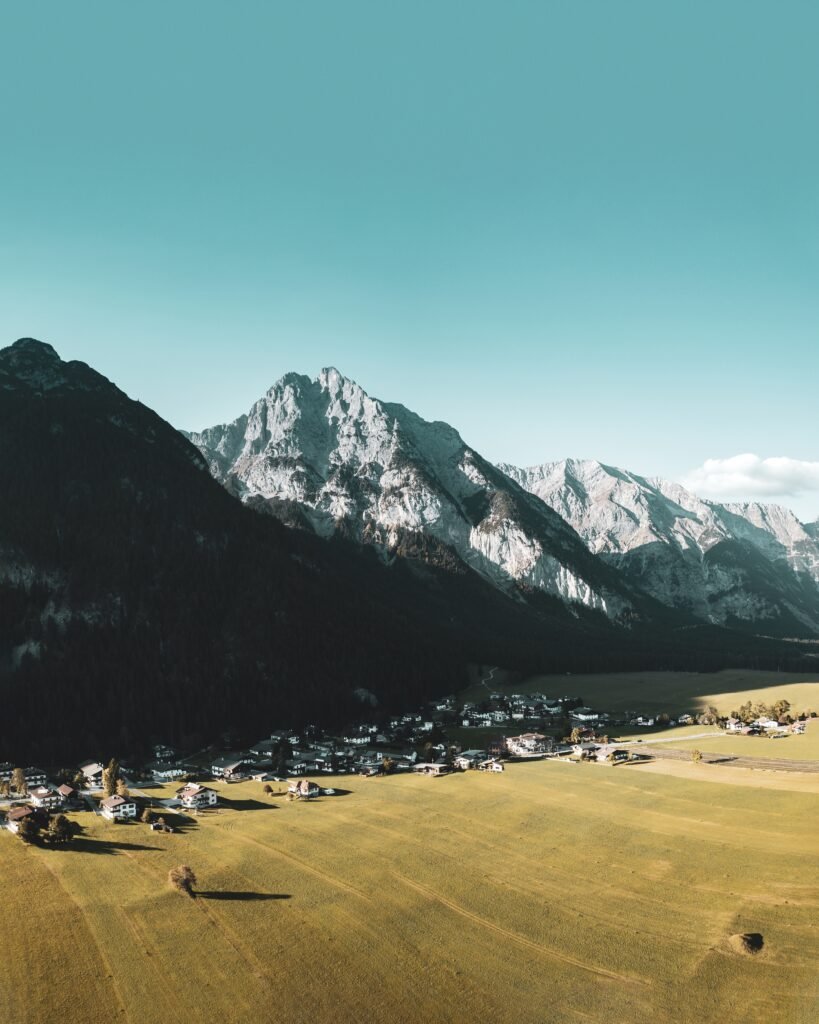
[774, 764]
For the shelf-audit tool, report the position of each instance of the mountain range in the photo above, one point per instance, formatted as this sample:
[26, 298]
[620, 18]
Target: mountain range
[324, 550]
[324, 453]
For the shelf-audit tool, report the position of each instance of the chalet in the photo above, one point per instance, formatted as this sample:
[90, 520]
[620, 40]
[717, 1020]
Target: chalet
[118, 808]
[585, 751]
[528, 745]
[433, 768]
[68, 794]
[469, 759]
[196, 796]
[609, 754]
[586, 715]
[35, 777]
[303, 789]
[490, 765]
[166, 771]
[44, 796]
[92, 772]
[229, 767]
[18, 814]
[162, 752]
[734, 725]
[265, 748]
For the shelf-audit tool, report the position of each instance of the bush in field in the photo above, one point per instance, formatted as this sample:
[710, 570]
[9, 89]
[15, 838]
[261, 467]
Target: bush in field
[183, 879]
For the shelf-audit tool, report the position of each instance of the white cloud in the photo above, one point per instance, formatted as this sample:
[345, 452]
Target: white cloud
[749, 476]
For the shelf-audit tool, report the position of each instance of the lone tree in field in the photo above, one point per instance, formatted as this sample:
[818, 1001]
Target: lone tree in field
[268, 789]
[696, 756]
[183, 879]
[18, 781]
[60, 830]
[110, 775]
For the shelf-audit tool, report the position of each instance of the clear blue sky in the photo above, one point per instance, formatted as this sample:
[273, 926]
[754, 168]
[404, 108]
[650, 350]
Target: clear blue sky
[578, 228]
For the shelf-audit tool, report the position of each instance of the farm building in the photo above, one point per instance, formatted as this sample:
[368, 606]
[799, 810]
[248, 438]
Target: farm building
[118, 808]
[194, 795]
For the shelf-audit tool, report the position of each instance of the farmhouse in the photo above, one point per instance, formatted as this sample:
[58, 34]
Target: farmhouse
[68, 794]
[165, 771]
[431, 768]
[469, 759]
[490, 765]
[609, 754]
[229, 767]
[194, 795]
[92, 772]
[528, 744]
[18, 814]
[303, 789]
[118, 808]
[43, 796]
[35, 777]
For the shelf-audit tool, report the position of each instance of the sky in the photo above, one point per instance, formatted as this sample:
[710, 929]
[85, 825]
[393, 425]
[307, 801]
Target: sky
[568, 228]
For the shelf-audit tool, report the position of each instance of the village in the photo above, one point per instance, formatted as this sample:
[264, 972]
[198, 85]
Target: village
[433, 741]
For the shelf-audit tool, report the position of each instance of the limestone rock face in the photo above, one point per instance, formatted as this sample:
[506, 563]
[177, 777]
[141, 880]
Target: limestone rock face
[730, 564]
[379, 472]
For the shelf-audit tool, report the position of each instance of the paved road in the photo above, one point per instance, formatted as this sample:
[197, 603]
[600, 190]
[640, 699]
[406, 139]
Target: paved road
[776, 764]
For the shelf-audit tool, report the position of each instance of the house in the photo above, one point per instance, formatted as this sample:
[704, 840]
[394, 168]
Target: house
[609, 754]
[18, 814]
[195, 796]
[68, 794]
[44, 796]
[798, 727]
[431, 768]
[118, 808]
[162, 752]
[265, 748]
[490, 765]
[229, 767]
[469, 759]
[6, 769]
[734, 725]
[528, 745]
[303, 789]
[35, 777]
[585, 751]
[165, 771]
[586, 715]
[92, 772]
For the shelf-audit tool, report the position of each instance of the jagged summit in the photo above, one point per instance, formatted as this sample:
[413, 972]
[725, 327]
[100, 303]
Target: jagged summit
[731, 563]
[381, 473]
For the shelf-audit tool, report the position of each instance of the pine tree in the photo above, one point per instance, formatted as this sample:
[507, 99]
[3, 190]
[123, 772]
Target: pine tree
[122, 789]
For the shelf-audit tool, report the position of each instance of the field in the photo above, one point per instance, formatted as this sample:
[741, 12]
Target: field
[804, 747]
[672, 692]
[549, 893]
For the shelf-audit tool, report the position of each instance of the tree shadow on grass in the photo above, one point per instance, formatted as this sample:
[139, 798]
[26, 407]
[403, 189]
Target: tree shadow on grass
[245, 805]
[84, 845]
[223, 894]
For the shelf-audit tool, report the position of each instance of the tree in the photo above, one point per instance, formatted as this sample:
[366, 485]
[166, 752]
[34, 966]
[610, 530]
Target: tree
[5, 788]
[18, 781]
[122, 789]
[268, 789]
[183, 879]
[79, 781]
[696, 756]
[387, 765]
[147, 816]
[60, 830]
[575, 736]
[28, 830]
[110, 775]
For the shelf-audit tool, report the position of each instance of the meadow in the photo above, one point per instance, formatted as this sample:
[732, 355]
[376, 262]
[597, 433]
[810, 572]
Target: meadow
[549, 893]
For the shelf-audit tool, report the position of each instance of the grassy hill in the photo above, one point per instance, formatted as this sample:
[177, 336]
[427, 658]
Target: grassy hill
[548, 893]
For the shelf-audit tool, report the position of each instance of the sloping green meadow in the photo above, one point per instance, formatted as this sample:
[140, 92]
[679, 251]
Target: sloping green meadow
[548, 893]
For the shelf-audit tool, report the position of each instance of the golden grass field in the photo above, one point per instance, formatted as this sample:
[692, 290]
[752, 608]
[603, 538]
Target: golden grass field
[550, 893]
[804, 747]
